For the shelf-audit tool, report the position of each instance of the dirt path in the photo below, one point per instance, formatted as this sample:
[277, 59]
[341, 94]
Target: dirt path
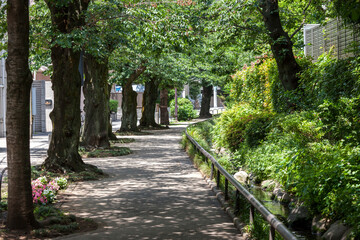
[154, 193]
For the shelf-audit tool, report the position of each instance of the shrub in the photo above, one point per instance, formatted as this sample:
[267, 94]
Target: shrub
[185, 109]
[330, 79]
[61, 181]
[253, 83]
[341, 120]
[257, 129]
[225, 124]
[326, 176]
[113, 105]
[44, 192]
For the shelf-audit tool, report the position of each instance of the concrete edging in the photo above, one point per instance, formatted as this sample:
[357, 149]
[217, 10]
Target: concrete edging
[226, 206]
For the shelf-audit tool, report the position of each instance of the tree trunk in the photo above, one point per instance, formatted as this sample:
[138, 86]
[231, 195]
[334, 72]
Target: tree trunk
[128, 106]
[281, 45]
[96, 94]
[205, 101]
[149, 104]
[63, 149]
[19, 79]
[129, 103]
[164, 114]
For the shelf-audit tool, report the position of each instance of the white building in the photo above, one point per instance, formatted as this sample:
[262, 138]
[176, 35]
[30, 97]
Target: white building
[2, 97]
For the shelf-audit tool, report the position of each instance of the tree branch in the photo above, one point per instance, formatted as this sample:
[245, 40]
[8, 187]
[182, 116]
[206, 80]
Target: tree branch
[303, 22]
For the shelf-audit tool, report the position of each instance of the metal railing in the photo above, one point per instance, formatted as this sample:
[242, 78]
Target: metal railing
[1, 178]
[275, 224]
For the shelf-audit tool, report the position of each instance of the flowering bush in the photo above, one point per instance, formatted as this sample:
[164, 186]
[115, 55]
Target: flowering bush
[62, 182]
[44, 192]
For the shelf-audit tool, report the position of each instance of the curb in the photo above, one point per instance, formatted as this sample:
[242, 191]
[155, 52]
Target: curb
[227, 207]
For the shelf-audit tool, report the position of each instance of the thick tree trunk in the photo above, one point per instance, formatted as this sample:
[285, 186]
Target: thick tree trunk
[19, 79]
[164, 114]
[96, 94]
[63, 150]
[205, 101]
[149, 104]
[281, 45]
[129, 103]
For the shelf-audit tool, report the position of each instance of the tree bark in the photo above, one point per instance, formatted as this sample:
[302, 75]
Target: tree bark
[63, 149]
[149, 104]
[281, 45]
[164, 114]
[19, 79]
[205, 101]
[129, 103]
[96, 108]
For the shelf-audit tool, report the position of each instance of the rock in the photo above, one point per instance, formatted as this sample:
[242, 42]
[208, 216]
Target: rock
[268, 184]
[336, 231]
[280, 195]
[285, 198]
[277, 191]
[347, 234]
[242, 177]
[319, 224]
[299, 218]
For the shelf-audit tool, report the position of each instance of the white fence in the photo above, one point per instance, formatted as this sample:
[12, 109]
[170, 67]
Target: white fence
[319, 39]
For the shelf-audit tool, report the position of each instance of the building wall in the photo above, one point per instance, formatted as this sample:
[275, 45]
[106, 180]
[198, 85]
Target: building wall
[2, 97]
[319, 39]
[49, 95]
[39, 121]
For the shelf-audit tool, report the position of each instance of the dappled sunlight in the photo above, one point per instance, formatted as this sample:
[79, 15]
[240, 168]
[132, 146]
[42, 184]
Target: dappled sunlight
[154, 193]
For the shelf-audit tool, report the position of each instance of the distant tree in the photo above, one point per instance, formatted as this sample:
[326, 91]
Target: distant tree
[20, 206]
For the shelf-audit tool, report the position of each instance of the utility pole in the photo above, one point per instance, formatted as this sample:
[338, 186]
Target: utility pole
[176, 105]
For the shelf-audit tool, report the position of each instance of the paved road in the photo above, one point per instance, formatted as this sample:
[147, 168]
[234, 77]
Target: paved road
[38, 147]
[154, 193]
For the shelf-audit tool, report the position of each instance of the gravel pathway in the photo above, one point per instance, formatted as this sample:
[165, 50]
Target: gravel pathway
[154, 193]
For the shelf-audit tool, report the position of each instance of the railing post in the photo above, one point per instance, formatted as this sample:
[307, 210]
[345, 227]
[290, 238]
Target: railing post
[237, 202]
[272, 233]
[226, 189]
[252, 210]
[212, 171]
[218, 178]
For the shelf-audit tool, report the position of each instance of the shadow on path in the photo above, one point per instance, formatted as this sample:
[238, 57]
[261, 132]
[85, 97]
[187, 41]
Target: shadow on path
[154, 193]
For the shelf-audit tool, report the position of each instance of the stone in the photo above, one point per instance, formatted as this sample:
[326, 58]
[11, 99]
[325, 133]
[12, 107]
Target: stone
[319, 224]
[242, 177]
[285, 198]
[336, 231]
[299, 218]
[277, 191]
[268, 184]
[347, 234]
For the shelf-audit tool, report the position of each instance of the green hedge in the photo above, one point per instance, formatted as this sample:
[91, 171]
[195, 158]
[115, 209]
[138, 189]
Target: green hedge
[185, 109]
[113, 104]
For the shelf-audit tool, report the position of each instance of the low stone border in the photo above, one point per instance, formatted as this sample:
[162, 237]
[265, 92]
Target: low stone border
[227, 207]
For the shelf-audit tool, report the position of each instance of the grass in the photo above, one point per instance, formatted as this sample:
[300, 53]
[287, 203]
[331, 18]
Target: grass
[107, 152]
[122, 140]
[132, 133]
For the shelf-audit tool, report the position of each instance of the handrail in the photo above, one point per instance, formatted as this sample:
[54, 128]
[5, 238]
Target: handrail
[275, 224]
